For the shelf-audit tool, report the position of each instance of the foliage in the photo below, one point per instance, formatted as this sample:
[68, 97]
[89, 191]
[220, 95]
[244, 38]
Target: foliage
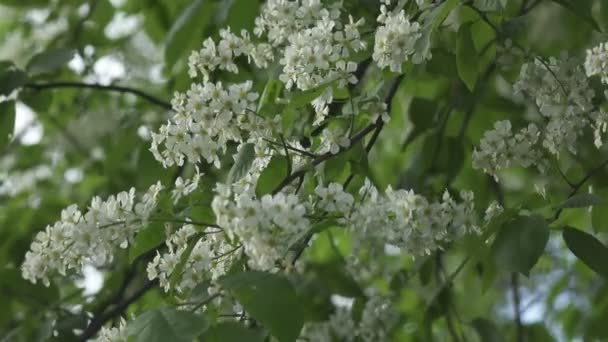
[352, 170]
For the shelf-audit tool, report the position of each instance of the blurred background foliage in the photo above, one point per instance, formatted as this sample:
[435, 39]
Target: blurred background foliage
[73, 141]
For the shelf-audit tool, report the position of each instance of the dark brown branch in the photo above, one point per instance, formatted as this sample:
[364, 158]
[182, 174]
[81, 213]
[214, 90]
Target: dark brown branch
[112, 88]
[98, 322]
[517, 307]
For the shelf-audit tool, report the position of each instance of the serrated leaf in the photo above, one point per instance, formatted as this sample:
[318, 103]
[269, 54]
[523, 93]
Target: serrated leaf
[587, 249]
[146, 240]
[187, 29]
[272, 175]
[11, 78]
[270, 299]
[242, 164]
[232, 332]
[166, 324]
[49, 61]
[520, 243]
[467, 60]
[582, 201]
[7, 122]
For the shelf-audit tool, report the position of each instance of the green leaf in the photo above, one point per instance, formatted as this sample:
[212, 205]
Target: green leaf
[232, 332]
[186, 30]
[581, 8]
[49, 61]
[270, 299]
[166, 324]
[25, 3]
[242, 164]
[582, 201]
[599, 218]
[442, 13]
[487, 330]
[272, 175]
[588, 249]
[466, 57]
[241, 14]
[7, 122]
[146, 240]
[302, 98]
[176, 275]
[267, 105]
[422, 113]
[488, 5]
[520, 243]
[11, 78]
[603, 15]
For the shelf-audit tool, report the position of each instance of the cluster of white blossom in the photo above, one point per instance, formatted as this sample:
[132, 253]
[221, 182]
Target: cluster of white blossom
[560, 89]
[266, 227]
[221, 55]
[377, 318]
[500, 148]
[395, 40]
[410, 221]
[18, 182]
[596, 62]
[279, 19]
[206, 118]
[333, 138]
[114, 334]
[89, 237]
[209, 258]
[317, 46]
[333, 199]
[185, 187]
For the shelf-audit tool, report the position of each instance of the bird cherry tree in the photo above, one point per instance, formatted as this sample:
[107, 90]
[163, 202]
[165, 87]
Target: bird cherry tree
[325, 171]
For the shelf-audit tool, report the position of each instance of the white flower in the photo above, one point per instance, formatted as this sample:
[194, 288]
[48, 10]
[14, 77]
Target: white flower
[395, 40]
[90, 237]
[114, 334]
[596, 62]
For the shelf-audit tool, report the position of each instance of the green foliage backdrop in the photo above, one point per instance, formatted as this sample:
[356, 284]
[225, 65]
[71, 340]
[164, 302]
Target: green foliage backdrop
[92, 82]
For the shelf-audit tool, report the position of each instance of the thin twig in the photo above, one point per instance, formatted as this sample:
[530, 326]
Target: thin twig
[112, 88]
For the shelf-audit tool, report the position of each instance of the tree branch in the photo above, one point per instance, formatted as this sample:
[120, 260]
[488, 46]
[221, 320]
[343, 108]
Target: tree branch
[98, 322]
[517, 307]
[112, 88]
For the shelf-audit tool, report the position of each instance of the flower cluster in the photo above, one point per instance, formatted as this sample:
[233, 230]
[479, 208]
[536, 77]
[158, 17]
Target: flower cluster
[279, 19]
[206, 118]
[90, 237]
[22, 181]
[185, 187]
[221, 55]
[596, 62]
[266, 227]
[209, 258]
[333, 199]
[377, 318]
[114, 334]
[410, 221]
[561, 91]
[395, 40]
[500, 148]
